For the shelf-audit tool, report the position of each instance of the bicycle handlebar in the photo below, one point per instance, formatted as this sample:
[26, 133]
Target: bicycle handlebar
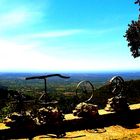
[47, 76]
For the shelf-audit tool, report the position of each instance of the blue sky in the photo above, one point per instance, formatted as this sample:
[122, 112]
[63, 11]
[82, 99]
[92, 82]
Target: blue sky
[66, 35]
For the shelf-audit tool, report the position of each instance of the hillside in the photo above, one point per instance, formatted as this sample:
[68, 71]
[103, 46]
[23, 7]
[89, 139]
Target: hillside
[131, 91]
[67, 103]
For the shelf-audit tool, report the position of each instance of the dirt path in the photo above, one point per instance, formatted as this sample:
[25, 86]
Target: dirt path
[108, 133]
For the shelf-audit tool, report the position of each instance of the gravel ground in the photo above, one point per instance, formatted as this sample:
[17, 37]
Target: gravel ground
[108, 133]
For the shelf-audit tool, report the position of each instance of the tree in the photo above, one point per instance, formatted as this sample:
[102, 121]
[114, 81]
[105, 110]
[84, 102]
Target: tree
[133, 35]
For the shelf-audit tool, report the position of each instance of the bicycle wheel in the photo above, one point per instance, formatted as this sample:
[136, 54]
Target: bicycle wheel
[116, 84]
[84, 91]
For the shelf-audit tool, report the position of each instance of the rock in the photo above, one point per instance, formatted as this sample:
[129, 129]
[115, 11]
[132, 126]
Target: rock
[86, 110]
[117, 104]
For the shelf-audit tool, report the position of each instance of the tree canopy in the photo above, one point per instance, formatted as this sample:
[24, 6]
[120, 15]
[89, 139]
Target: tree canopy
[133, 35]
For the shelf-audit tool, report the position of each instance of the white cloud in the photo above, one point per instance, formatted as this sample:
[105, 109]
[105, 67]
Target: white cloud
[13, 18]
[59, 33]
[69, 32]
[18, 56]
[19, 17]
[103, 31]
[26, 57]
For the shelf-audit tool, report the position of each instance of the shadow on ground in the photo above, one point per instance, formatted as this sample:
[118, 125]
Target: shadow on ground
[127, 119]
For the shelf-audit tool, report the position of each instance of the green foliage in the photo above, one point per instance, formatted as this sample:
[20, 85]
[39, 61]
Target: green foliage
[133, 38]
[7, 109]
[133, 35]
[133, 91]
